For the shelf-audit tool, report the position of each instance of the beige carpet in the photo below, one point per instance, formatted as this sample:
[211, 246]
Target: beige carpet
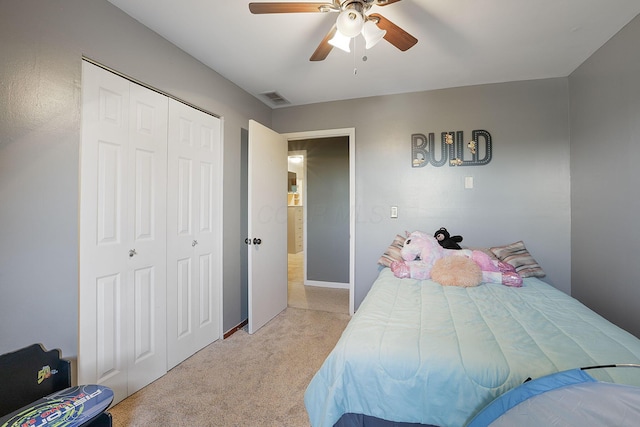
[246, 380]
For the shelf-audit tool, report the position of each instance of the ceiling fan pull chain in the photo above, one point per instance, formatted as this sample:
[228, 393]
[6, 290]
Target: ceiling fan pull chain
[355, 68]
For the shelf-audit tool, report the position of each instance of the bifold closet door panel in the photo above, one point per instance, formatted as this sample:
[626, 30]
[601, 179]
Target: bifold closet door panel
[122, 277]
[194, 256]
[147, 210]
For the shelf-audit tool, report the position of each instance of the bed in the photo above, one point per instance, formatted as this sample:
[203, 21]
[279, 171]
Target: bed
[420, 353]
[570, 398]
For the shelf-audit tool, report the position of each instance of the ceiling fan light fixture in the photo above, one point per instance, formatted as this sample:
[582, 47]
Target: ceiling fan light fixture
[350, 22]
[372, 34]
[340, 41]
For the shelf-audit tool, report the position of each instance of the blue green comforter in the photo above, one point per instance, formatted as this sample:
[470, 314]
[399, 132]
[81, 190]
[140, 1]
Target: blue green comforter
[420, 352]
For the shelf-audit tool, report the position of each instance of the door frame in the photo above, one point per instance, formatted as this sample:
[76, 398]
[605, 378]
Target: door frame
[351, 134]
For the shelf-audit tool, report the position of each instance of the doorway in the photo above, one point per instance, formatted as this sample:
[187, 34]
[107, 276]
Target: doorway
[321, 195]
[349, 133]
[316, 291]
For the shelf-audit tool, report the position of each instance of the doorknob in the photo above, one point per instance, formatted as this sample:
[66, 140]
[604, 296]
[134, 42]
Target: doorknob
[247, 241]
[132, 252]
[194, 243]
[257, 241]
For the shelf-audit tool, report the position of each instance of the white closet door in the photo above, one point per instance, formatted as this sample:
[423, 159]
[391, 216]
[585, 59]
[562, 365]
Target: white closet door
[122, 282]
[194, 258]
[147, 208]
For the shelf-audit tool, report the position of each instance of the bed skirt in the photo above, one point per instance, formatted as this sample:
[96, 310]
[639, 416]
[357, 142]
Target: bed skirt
[360, 420]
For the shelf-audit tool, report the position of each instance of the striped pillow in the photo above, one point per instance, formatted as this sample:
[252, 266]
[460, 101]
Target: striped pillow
[393, 251]
[517, 255]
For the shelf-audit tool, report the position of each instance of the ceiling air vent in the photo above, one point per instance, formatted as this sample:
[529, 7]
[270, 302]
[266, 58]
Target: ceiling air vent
[276, 98]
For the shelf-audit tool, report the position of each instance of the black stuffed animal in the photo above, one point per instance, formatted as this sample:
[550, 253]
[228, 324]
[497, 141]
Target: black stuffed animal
[446, 240]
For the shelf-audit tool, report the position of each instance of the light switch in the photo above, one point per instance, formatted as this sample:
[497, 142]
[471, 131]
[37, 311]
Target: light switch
[394, 212]
[468, 182]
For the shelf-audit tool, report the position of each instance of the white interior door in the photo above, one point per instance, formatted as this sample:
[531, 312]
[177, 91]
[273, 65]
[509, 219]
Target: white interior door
[122, 283]
[194, 255]
[267, 229]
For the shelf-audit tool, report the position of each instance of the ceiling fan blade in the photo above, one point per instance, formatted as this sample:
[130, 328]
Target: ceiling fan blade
[324, 47]
[385, 2]
[295, 7]
[395, 35]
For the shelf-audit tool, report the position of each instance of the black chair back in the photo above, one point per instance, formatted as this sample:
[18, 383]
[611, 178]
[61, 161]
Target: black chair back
[29, 374]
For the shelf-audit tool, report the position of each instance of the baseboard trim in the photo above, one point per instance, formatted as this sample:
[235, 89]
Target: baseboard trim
[335, 285]
[235, 329]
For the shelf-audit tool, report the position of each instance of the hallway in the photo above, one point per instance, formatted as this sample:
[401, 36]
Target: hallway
[313, 297]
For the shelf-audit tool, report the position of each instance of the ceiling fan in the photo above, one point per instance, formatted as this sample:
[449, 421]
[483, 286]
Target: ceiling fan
[352, 20]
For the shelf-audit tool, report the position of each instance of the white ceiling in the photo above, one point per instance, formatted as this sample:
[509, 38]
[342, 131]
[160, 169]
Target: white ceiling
[461, 42]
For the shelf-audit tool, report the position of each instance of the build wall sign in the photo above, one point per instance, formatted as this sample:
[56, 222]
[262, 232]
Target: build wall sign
[452, 149]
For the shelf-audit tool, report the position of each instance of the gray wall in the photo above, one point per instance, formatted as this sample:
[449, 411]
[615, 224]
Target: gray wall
[522, 194]
[244, 226]
[327, 199]
[605, 202]
[41, 45]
